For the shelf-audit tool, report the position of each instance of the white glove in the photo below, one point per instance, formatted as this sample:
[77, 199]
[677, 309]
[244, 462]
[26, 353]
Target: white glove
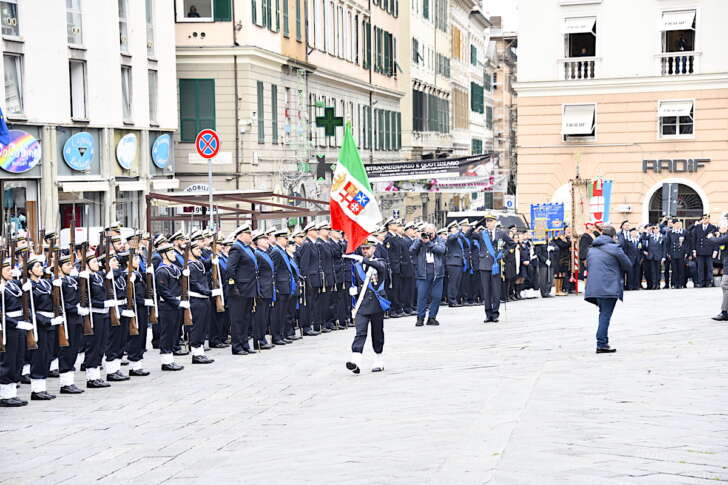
[148, 302]
[2, 286]
[185, 272]
[57, 320]
[58, 282]
[74, 272]
[82, 311]
[109, 303]
[548, 262]
[150, 269]
[355, 257]
[110, 275]
[128, 313]
[47, 270]
[184, 304]
[353, 291]
[217, 292]
[715, 254]
[84, 274]
[215, 260]
[133, 277]
[15, 273]
[28, 286]
[25, 326]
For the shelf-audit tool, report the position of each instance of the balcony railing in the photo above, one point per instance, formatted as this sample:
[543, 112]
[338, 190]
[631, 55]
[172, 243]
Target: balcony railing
[579, 67]
[678, 63]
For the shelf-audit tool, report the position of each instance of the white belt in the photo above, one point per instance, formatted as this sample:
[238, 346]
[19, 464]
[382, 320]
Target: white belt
[197, 295]
[46, 314]
[103, 311]
[162, 299]
[16, 314]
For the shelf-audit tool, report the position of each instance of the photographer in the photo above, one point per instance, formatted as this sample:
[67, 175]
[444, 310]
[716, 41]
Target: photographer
[428, 253]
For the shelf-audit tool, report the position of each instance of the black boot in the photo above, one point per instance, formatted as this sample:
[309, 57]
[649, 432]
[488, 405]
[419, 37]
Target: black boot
[721, 317]
[420, 322]
[432, 321]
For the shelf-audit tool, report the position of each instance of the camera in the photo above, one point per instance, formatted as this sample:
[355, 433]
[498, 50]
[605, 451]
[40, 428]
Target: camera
[425, 235]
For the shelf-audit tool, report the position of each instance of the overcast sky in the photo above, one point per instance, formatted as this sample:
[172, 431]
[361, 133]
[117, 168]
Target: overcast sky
[508, 9]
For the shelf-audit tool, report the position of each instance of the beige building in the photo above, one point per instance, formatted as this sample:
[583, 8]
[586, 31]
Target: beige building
[640, 99]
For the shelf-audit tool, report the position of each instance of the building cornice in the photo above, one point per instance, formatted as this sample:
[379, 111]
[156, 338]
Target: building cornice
[350, 81]
[621, 85]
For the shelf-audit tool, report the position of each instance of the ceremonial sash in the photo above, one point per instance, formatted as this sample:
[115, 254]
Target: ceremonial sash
[383, 302]
[272, 269]
[495, 269]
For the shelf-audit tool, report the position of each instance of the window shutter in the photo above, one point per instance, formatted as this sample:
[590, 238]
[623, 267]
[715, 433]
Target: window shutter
[426, 9]
[274, 112]
[261, 114]
[223, 10]
[473, 55]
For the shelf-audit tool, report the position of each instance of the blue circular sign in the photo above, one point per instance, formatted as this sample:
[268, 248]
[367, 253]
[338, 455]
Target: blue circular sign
[126, 151]
[78, 151]
[162, 151]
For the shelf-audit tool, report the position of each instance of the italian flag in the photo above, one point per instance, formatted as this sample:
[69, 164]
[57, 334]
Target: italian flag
[352, 205]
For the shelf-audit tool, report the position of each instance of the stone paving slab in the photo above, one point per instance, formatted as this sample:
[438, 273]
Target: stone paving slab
[523, 401]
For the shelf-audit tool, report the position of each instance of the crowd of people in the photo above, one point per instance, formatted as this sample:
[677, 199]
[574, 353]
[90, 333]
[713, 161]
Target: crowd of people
[256, 290]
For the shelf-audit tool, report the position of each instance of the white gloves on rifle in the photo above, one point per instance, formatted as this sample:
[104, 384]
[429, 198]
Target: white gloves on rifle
[150, 269]
[28, 286]
[355, 257]
[215, 260]
[217, 292]
[184, 304]
[548, 262]
[148, 302]
[57, 320]
[84, 274]
[58, 282]
[128, 313]
[185, 272]
[110, 275]
[82, 311]
[353, 291]
[15, 273]
[24, 325]
[109, 303]
[133, 277]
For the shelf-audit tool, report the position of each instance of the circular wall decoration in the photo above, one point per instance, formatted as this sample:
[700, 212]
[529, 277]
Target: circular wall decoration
[126, 151]
[78, 151]
[162, 151]
[21, 153]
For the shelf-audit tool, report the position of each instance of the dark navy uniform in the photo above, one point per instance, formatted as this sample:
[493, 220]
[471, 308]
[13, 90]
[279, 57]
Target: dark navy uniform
[220, 322]
[490, 267]
[200, 294]
[309, 261]
[394, 251]
[137, 344]
[267, 298]
[119, 334]
[96, 344]
[373, 305]
[11, 361]
[74, 324]
[242, 269]
[678, 249]
[285, 286]
[328, 283]
[455, 265]
[167, 278]
[703, 251]
[653, 247]
[408, 293]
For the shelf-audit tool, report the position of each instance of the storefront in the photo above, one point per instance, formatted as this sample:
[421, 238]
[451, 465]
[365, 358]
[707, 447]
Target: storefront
[20, 161]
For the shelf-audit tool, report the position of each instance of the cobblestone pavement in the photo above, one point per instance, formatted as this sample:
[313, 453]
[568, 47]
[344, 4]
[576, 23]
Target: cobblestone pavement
[519, 402]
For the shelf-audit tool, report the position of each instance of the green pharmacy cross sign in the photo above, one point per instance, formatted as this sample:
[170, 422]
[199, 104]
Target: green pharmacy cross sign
[329, 121]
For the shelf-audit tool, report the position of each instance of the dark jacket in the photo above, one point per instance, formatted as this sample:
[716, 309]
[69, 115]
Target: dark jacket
[266, 274]
[394, 248]
[418, 250]
[485, 260]
[309, 262]
[677, 245]
[242, 271]
[326, 255]
[370, 303]
[283, 273]
[455, 250]
[700, 243]
[607, 264]
[717, 243]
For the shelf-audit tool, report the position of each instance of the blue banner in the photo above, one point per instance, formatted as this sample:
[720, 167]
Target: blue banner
[546, 217]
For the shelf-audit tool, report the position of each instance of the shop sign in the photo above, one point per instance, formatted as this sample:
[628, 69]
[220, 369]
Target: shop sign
[674, 165]
[162, 151]
[78, 151]
[21, 154]
[126, 151]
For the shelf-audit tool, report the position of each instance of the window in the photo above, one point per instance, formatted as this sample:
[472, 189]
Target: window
[441, 18]
[461, 110]
[489, 117]
[205, 10]
[415, 51]
[476, 97]
[320, 24]
[430, 112]
[356, 39]
[196, 107]
[153, 98]
[77, 76]
[123, 26]
[473, 55]
[222, 10]
[387, 130]
[456, 45]
[298, 20]
[676, 118]
[274, 113]
[267, 14]
[426, 9]
[578, 122]
[277, 19]
[443, 65]
[678, 31]
[367, 44]
[73, 22]
[261, 113]
[330, 28]
[476, 146]
[399, 131]
[580, 34]
[150, 28]
[9, 13]
[286, 31]
[126, 94]
[487, 83]
[13, 65]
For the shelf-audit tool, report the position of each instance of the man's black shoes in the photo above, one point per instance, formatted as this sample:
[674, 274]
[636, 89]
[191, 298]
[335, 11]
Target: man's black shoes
[721, 317]
[606, 350]
[202, 359]
[138, 372]
[41, 396]
[116, 377]
[97, 384]
[12, 402]
[432, 321]
[420, 322]
[72, 389]
[172, 367]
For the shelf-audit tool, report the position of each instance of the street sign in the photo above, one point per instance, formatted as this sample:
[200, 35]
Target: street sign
[329, 121]
[207, 144]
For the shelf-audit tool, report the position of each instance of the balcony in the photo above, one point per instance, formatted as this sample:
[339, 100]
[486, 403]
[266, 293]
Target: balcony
[576, 68]
[678, 63]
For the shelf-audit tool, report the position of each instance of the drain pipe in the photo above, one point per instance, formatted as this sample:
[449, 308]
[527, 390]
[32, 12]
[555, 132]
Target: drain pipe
[237, 113]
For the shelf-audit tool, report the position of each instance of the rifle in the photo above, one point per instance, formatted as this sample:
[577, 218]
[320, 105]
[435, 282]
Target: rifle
[58, 309]
[151, 289]
[219, 301]
[31, 337]
[84, 298]
[130, 299]
[185, 289]
[72, 239]
[3, 336]
[109, 284]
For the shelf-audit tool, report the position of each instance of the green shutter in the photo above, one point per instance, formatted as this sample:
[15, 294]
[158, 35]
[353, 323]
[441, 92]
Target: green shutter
[222, 10]
[399, 131]
[477, 146]
[387, 131]
[261, 111]
[473, 55]
[196, 107]
[426, 9]
[298, 20]
[274, 112]
[278, 15]
[254, 11]
[286, 31]
[489, 117]
[369, 128]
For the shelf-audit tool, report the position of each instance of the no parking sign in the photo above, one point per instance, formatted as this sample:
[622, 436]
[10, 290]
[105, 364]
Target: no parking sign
[207, 144]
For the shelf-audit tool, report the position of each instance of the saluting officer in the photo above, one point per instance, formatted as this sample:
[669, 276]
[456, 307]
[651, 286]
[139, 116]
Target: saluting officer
[455, 263]
[242, 269]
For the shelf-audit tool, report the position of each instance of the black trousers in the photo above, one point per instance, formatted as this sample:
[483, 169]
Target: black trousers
[311, 311]
[634, 281]
[362, 326]
[40, 359]
[170, 319]
[652, 273]
[395, 293]
[67, 355]
[96, 343]
[292, 313]
[219, 323]
[200, 320]
[261, 318]
[343, 304]
[324, 299]
[454, 276]
[117, 339]
[677, 265]
[279, 316]
[241, 314]
[11, 361]
[409, 302]
[705, 270]
[137, 344]
[666, 273]
[491, 293]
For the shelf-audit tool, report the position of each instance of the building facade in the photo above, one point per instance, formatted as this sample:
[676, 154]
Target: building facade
[89, 100]
[260, 72]
[639, 99]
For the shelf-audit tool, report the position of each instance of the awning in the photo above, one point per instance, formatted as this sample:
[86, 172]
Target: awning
[677, 20]
[675, 108]
[165, 184]
[578, 25]
[85, 186]
[132, 186]
[578, 119]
